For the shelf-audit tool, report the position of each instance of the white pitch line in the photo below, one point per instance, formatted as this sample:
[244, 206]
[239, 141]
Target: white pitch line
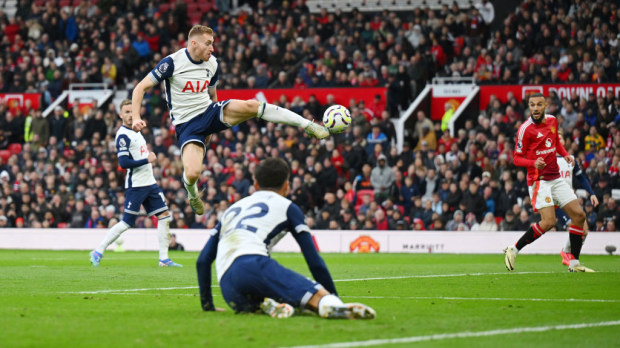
[484, 298]
[466, 334]
[128, 290]
[337, 280]
[440, 276]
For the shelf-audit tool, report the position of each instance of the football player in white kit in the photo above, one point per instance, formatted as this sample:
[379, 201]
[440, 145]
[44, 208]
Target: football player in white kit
[141, 189]
[190, 78]
[249, 279]
[568, 172]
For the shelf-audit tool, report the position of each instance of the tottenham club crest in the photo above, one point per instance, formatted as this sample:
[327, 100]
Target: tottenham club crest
[208, 73]
[163, 68]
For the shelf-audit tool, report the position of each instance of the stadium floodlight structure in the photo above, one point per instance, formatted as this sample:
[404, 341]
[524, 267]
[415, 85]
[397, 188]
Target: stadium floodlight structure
[82, 93]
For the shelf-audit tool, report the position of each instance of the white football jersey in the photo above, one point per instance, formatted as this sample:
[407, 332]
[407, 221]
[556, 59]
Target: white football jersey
[186, 84]
[566, 170]
[253, 225]
[131, 143]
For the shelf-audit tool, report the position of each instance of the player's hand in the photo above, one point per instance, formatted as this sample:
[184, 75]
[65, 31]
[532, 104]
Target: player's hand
[152, 157]
[569, 160]
[594, 200]
[540, 163]
[138, 125]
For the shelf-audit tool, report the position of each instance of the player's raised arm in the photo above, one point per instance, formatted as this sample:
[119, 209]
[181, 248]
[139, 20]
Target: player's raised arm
[163, 70]
[136, 102]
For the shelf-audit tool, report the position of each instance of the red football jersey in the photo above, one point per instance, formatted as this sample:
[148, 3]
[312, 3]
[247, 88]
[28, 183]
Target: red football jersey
[539, 140]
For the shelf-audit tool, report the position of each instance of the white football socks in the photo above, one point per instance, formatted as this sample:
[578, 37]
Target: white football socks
[192, 189]
[163, 234]
[566, 248]
[328, 301]
[274, 113]
[112, 235]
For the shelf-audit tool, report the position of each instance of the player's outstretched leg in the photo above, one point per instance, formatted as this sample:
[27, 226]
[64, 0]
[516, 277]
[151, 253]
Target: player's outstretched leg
[274, 113]
[113, 234]
[276, 309]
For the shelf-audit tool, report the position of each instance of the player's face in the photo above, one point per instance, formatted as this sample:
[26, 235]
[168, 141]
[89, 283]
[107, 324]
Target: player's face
[126, 115]
[537, 108]
[204, 46]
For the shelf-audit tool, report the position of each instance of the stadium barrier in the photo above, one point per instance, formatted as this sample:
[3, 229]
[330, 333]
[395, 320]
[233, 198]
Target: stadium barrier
[562, 90]
[327, 241]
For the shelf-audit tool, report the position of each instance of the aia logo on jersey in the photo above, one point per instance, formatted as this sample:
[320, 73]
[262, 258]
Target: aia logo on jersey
[196, 86]
[548, 142]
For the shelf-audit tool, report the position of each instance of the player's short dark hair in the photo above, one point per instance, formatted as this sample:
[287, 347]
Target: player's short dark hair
[271, 173]
[535, 95]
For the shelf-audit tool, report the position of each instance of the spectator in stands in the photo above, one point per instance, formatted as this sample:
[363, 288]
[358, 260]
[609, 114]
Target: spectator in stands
[509, 223]
[457, 219]
[381, 178]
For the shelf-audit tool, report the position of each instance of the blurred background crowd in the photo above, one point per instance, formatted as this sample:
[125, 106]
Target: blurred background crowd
[63, 169]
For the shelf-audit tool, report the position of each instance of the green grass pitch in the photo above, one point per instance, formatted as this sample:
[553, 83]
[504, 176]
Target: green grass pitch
[57, 299]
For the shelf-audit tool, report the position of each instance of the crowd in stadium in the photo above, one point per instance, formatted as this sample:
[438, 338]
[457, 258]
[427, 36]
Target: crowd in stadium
[67, 173]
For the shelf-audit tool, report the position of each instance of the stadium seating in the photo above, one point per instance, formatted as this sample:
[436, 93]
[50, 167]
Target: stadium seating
[315, 6]
[15, 148]
[5, 155]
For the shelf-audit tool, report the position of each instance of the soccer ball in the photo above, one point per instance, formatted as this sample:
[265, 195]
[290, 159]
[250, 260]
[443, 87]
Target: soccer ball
[336, 119]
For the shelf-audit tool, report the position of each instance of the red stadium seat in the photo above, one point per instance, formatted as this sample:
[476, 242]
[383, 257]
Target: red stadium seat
[15, 148]
[195, 18]
[192, 8]
[62, 225]
[5, 155]
[205, 7]
[163, 8]
[63, 3]
[498, 219]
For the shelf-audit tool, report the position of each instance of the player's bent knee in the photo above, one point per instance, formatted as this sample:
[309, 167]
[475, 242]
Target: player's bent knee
[251, 106]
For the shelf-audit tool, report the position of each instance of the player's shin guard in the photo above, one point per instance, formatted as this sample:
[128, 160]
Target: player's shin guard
[112, 235]
[163, 234]
[529, 236]
[273, 113]
[575, 234]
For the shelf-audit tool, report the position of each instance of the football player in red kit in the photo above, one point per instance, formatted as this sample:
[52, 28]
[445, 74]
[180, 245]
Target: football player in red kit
[537, 144]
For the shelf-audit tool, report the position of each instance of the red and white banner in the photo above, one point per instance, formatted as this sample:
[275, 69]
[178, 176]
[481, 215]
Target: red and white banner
[563, 91]
[442, 94]
[342, 96]
[22, 101]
